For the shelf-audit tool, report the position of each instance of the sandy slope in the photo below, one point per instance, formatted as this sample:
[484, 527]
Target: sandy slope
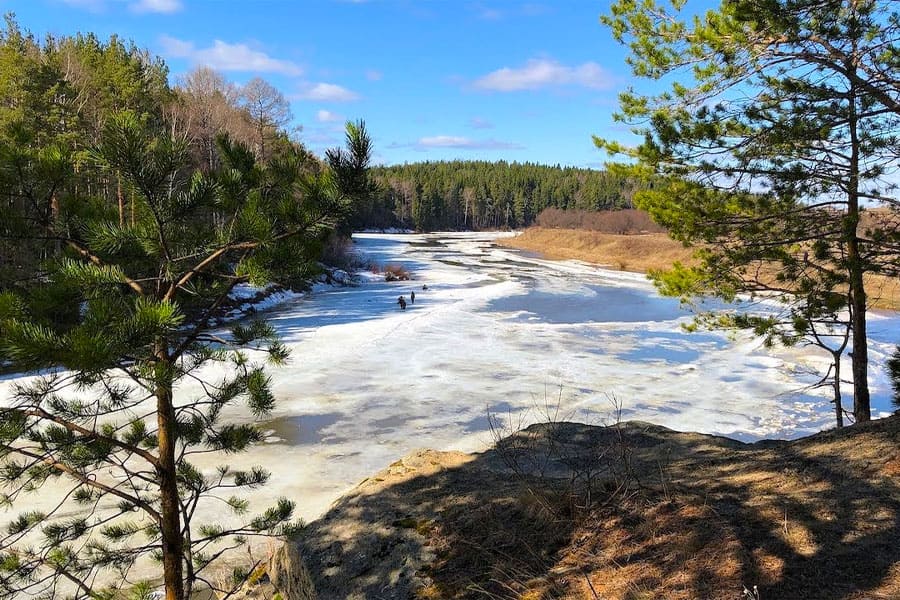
[637, 253]
[634, 511]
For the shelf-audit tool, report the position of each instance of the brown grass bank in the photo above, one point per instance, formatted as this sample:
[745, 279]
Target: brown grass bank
[642, 252]
[638, 252]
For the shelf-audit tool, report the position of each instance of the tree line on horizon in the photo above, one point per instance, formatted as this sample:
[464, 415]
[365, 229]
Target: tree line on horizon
[481, 195]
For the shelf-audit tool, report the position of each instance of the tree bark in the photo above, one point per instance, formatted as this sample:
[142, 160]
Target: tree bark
[860, 362]
[838, 408]
[170, 527]
[121, 199]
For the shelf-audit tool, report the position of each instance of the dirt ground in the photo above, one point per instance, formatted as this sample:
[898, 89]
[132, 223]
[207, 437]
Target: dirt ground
[629, 512]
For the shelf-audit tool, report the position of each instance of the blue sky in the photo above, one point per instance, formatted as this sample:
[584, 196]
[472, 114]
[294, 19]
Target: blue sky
[524, 81]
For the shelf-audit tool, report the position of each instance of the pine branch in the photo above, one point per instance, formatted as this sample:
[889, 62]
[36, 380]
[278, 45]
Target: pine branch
[85, 253]
[248, 245]
[85, 480]
[89, 433]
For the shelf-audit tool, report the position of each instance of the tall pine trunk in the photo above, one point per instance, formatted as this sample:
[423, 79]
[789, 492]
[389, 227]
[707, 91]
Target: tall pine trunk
[860, 358]
[172, 542]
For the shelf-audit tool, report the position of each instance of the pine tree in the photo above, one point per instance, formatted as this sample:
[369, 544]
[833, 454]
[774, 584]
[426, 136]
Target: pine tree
[124, 313]
[778, 128]
[350, 168]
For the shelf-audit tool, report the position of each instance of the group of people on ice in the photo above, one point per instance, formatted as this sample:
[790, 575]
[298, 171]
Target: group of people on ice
[412, 298]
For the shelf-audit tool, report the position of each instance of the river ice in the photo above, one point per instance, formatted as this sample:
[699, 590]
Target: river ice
[506, 333]
[503, 332]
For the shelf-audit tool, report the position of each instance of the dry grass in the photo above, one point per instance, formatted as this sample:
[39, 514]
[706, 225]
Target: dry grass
[638, 253]
[644, 252]
[622, 221]
[701, 519]
[813, 519]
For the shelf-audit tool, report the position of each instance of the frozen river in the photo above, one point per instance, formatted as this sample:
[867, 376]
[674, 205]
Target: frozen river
[502, 332]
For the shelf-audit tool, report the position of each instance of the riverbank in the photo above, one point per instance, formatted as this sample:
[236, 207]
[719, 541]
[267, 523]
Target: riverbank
[633, 510]
[637, 253]
[640, 253]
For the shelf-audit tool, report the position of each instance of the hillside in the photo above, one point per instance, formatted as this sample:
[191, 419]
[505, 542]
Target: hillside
[627, 512]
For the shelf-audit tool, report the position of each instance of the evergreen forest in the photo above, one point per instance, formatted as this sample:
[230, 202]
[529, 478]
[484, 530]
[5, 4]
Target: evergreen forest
[479, 195]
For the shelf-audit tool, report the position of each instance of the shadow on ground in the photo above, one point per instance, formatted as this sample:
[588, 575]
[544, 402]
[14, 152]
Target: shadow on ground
[629, 512]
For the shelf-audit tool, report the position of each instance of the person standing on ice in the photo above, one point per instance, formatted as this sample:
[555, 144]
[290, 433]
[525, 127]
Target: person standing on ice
[402, 302]
[412, 297]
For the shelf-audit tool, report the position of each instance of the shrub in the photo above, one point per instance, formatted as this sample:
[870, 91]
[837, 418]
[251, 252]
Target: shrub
[395, 273]
[338, 251]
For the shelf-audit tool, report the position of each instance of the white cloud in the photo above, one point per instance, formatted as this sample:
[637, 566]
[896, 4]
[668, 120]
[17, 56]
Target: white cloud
[175, 47]
[156, 6]
[326, 92]
[444, 141]
[458, 142]
[374, 75]
[544, 72]
[326, 116]
[479, 123]
[228, 57]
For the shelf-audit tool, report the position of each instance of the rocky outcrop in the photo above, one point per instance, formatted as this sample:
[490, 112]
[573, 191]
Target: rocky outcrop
[372, 542]
[289, 575]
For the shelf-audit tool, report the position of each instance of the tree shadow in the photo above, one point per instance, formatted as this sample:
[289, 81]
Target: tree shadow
[633, 511]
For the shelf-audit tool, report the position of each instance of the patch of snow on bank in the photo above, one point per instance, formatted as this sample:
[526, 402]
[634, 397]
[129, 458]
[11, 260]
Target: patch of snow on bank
[256, 298]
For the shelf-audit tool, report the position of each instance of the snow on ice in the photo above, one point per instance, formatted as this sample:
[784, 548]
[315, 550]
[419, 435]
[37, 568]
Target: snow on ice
[503, 332]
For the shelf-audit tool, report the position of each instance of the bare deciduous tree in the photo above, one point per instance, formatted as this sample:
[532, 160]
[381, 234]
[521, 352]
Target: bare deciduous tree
[269, 111]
